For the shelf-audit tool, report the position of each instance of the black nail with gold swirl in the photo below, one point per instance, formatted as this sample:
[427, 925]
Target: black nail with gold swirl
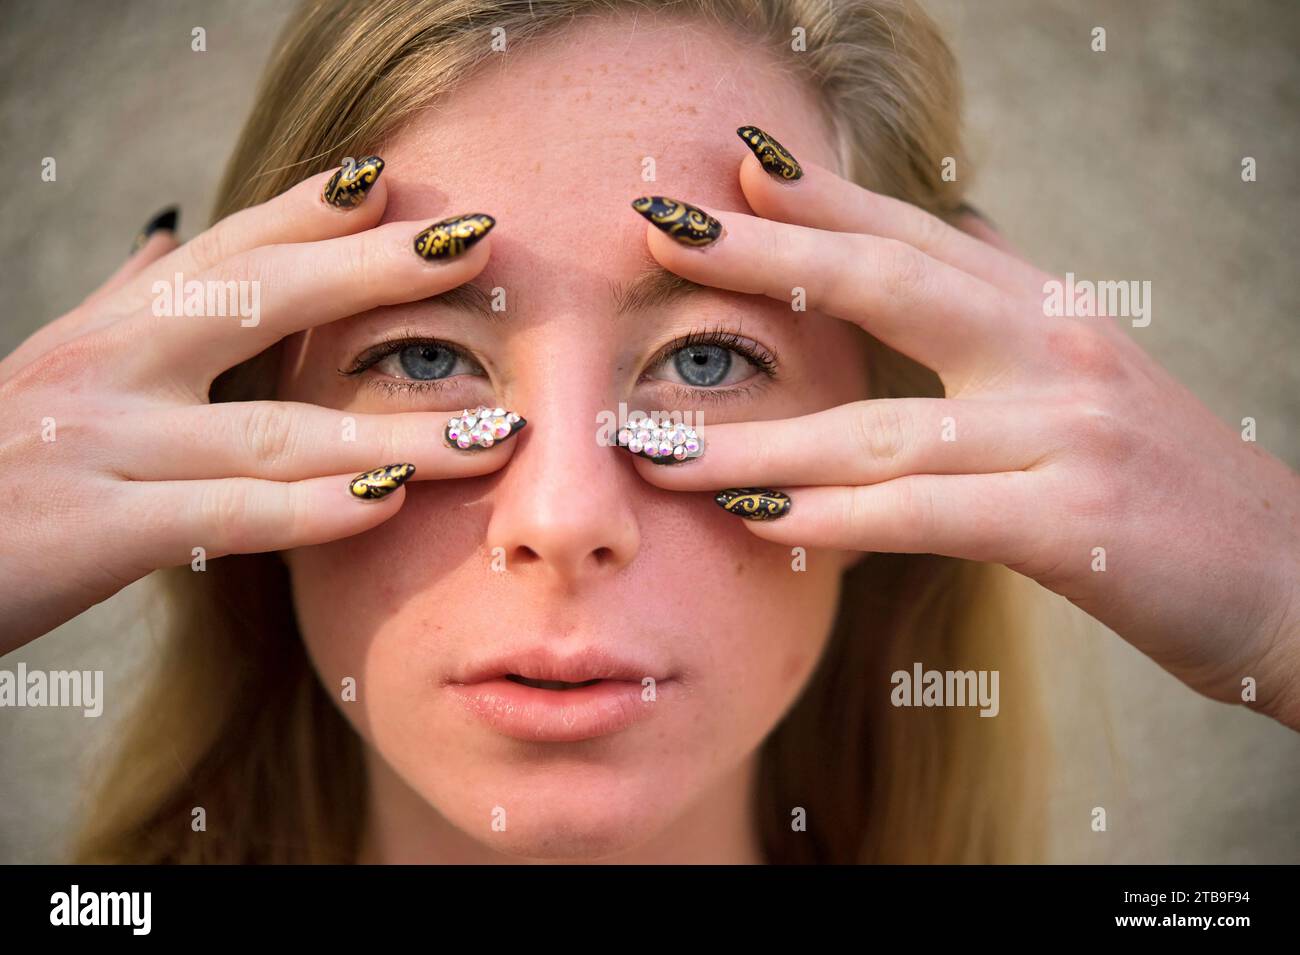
[773, 157]
[348, 187]
[754, 503]
[380, 482]
[452, 236]
[682, 221]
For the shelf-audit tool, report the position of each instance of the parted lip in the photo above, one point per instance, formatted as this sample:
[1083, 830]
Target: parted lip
[546, 663]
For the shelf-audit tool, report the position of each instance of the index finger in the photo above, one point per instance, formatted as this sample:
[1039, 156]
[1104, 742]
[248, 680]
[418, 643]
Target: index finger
[939, 315]
[328, 205]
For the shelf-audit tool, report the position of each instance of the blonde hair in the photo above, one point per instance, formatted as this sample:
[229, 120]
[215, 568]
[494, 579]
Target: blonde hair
[235, 720]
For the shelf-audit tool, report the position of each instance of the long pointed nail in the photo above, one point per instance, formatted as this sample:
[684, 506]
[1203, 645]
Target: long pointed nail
[381, 481]
[754, 503]
[452, 236]
[477, 429]
[663, 442]
[773, 157]
[349, 187]
[164, 221]
[688, 224]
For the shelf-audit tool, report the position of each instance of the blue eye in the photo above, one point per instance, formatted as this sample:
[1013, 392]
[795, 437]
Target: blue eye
[712, 360]
[425, 361]
[702, 366]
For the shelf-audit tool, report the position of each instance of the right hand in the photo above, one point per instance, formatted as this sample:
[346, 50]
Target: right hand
[142, 469]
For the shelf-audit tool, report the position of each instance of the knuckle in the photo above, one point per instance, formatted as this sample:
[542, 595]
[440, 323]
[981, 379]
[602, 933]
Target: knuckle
[65, 362]
[1084, 351]
[902, 270]
[777, 246]
[1100, 431]
[930, 231]
[210, 246]
[880, 430]
[227, 509]
[915, 505]
[365, 264]
[268, 435]
[857, 508]
[1095, 496]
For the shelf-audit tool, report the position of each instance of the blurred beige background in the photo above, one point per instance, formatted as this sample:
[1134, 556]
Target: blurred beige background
[1123, 164]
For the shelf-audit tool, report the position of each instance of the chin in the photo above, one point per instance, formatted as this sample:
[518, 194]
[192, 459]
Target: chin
[558, 814]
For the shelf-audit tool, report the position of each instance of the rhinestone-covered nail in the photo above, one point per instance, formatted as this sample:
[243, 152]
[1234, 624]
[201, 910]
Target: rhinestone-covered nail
[754, 503]
[381, 481]
[663, 442]
[476, 429]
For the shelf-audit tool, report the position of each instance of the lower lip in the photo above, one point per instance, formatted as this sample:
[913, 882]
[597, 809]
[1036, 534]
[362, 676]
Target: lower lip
[556, 716]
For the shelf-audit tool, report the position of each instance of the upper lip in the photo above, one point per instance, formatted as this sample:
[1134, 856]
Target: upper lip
[545, 663]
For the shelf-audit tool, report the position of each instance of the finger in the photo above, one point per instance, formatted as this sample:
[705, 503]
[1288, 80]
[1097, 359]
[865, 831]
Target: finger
[155, 240]
[823, 200]
[974, 223]
[864, 442]
[944, 318]
[259, 297]
[245, 515]
[982, 517]
[299, 214]
[291, 441]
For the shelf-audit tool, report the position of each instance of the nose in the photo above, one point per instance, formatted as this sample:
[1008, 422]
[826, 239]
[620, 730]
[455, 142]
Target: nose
[564, 506]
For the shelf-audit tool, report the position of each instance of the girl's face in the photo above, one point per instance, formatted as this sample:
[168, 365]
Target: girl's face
[566, 551]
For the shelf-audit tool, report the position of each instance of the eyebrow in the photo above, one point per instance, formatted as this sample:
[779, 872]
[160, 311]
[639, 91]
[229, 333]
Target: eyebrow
[653, 287]
[468, 298]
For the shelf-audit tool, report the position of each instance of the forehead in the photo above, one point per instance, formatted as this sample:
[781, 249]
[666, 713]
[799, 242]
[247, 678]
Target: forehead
[557, 136]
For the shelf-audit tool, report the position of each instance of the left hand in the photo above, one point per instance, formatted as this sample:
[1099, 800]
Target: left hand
[1068, 437]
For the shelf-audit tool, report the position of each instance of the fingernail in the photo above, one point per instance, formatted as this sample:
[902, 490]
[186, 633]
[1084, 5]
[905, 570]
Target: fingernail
[682, 221]
[477, 429]
[754, 503]
[348, 187]
[774, 157]
[163, 221]
[451, 237]
[967, 209]
[381, 481]
[663, 442]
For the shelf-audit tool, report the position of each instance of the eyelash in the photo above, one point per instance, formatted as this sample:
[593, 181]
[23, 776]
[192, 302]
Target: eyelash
[390, 346]
[762, 358]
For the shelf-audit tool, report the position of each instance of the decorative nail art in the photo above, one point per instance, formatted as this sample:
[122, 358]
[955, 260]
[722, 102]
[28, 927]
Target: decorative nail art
[754, 503]
[663, 442]
[347, 188]
[684, 222]
[164, 221]
[381, 481]
[476, 429]
[449, 237]
[774, 157]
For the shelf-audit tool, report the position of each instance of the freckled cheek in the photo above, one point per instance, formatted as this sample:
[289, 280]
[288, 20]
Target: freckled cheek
[349, 592]
[780, 622]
